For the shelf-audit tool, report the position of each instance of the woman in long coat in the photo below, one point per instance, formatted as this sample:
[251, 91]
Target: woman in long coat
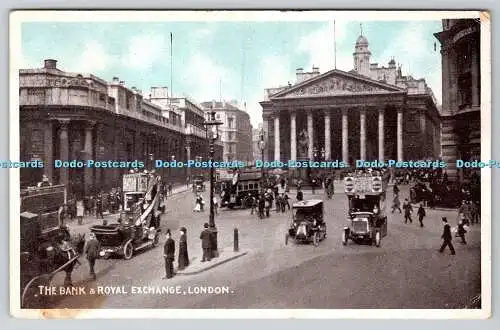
[183, 260]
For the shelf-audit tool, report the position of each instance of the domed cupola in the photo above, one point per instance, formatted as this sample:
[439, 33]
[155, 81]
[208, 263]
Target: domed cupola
[362, 56]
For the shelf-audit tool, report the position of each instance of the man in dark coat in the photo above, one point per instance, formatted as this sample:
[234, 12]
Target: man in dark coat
[205, 237]
[461, 231]
[446, 237]
[99, 206]
[421, 214]
[408, 210]
[262, 204]
[395, 189]
[183, 260]
[92, 251]
[169, 255]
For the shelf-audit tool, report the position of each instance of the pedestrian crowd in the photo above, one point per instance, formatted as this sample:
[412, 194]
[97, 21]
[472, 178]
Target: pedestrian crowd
[468, 214]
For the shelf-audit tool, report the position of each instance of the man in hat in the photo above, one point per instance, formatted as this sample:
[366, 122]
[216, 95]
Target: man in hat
[446, 237]
[169, 255]
[92, 251]
[408, 210]
[183, 259]
[421, 214]
[205, 237]
[45, 182]
[461, 231]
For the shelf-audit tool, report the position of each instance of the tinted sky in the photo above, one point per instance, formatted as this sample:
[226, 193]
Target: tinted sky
[232, 60]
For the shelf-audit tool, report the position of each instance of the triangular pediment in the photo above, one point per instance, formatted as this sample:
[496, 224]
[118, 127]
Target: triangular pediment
[336, 82]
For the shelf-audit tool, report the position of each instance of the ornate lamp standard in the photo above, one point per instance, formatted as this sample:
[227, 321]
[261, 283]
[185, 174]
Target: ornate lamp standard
[213, 126]
[151, 157]
[262, 146]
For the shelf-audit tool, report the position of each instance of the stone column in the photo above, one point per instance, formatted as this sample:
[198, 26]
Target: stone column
[345, 137]
[48, 151]
[423, 132]
[293, 135]
[381, 151]
[399, 135]
[362, 134]
[310, 134]
[88, 174]
[277, 137]
[64, 151]
[446, 74]
[475, 74]
[265, 127]
[328, 146]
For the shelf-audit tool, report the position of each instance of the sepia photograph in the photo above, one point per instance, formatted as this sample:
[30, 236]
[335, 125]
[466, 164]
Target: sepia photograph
[222, 164]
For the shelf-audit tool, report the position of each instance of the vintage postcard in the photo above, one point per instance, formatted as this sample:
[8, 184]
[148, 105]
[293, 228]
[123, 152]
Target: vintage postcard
[256, 164]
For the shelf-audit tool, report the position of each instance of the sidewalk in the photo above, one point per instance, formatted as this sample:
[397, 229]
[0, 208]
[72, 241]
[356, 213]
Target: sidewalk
[196, 266]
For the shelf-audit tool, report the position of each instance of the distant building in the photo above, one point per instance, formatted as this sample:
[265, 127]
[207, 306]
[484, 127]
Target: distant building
[236, 130]
[368, 113]
[460, 113]
[70, 116]
[191, 116]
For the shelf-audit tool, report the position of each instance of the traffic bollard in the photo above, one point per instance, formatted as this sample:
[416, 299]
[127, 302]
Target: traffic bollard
[236, 240]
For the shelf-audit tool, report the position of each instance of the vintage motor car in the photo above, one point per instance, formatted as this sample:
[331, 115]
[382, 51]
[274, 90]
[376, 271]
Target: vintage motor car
[307, 223]
[137, 228]
[198, 183]
[367, 220]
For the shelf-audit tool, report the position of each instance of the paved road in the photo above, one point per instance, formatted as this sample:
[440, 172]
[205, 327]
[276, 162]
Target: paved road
[406, 272]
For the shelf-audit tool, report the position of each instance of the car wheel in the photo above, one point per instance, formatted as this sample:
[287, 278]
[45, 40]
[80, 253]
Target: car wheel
[344, 238]
[128, 251]
[377, 239]
[156, 239]
[316, 239]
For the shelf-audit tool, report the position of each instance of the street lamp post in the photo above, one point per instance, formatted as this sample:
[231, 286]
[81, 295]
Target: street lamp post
[151, 158]
[172, 158]
[262, 146]
[213, 125]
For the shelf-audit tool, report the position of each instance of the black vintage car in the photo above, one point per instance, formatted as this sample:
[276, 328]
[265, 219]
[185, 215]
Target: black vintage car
[420, 193]
[307, 223]
[198, 183]
[367, 221]
[138, 228]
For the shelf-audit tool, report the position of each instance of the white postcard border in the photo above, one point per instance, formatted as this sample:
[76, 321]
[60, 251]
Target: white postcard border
[17, 18]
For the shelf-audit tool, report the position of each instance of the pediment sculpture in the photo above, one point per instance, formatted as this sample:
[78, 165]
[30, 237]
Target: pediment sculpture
[333, 86]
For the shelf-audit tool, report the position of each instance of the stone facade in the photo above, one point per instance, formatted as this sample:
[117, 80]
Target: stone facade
[236, 130]
[69, 116]
[461, 113]
[360, 114]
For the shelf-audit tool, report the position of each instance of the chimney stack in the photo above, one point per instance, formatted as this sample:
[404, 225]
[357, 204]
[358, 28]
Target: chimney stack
[122, 82]
[300, 71]
[116, 80]
[50, 64]
[315, 69]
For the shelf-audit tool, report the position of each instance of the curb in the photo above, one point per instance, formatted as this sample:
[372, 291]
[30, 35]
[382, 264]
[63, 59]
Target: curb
[214, 265]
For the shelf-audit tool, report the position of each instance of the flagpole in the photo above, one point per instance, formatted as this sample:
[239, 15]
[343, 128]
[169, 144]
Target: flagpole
[335, 44]
[171, 69]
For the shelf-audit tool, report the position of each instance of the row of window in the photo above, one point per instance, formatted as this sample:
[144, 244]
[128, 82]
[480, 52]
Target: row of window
[248, 186]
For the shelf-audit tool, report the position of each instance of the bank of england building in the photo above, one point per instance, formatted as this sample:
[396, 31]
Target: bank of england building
[77, 117]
